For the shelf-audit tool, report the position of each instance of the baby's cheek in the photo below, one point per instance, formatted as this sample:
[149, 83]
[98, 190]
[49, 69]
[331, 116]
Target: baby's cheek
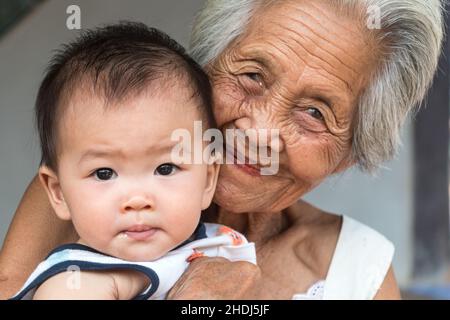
[183, 210]
[181, 213]
[93, 215]
[93, 223]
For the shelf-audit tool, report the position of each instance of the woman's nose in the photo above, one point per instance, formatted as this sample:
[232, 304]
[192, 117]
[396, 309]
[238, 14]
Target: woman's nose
[137, 203]
[266, 135]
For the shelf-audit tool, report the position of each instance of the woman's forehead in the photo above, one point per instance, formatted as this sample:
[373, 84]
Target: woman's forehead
[295, 37]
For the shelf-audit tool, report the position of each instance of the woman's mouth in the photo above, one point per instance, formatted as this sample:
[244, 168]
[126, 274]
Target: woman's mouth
[140, 232]
[242, 163]
[249, 169]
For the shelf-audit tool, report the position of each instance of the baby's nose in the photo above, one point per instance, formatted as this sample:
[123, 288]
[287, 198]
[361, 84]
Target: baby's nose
[137, 203]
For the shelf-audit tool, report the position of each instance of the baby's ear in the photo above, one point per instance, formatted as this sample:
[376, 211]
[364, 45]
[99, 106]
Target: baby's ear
[211, 180]
[50, 181]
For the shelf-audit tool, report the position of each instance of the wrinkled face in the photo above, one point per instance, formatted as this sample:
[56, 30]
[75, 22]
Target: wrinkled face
[299, 68]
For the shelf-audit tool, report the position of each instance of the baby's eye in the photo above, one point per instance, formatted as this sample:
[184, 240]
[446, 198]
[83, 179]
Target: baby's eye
[105, 174]
[166, 169]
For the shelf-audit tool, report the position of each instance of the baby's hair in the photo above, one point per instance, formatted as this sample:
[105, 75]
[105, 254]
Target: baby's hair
[115, 62]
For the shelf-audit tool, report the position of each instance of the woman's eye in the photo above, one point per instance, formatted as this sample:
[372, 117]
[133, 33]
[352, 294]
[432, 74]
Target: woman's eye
[105, 174]
[166, 169]
[314, 112]
[256, 77]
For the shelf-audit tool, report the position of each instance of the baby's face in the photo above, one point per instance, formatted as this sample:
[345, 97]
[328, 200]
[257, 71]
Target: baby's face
[119, 185]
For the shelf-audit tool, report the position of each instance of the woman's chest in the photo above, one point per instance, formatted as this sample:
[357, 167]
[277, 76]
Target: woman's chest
[284, 273]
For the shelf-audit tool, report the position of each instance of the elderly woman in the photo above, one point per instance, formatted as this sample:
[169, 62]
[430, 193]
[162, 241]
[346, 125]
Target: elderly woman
[338, 88]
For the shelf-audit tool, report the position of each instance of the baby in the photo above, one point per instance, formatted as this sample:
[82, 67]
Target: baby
[106, 111]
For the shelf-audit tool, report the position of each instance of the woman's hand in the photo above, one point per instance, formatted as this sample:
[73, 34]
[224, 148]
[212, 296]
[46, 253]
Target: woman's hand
[217, 279]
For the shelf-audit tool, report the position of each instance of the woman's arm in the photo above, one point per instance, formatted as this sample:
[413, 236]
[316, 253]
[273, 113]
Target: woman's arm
[34, 231]
[389, 289]
[218, 279]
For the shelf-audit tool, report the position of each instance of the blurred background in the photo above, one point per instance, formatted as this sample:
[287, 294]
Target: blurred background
[408, 200]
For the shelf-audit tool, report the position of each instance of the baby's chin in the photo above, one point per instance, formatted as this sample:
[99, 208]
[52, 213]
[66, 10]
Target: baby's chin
[141, 256]
[143, 252]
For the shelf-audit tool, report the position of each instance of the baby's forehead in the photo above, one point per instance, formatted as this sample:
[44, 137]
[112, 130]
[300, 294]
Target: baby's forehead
[146, 118]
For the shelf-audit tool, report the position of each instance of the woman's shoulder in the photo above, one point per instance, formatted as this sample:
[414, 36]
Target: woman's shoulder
[317, 227]
[317, 233]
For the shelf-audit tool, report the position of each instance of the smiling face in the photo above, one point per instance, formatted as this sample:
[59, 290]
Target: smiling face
[299, 68]
[116, 180]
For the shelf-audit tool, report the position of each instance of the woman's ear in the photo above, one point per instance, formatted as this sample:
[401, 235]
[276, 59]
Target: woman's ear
[50, 181]
[211, 182]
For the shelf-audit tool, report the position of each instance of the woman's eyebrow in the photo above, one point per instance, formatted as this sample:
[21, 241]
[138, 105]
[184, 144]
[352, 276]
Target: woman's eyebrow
[260, 59]
[325, 100]
[334, 97]
[264, 62]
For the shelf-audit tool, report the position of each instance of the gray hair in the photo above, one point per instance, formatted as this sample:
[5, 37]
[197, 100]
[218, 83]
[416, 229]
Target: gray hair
[410, 33]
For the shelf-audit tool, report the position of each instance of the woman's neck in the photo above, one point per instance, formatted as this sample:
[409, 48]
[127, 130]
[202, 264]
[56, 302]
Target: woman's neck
[258, 227]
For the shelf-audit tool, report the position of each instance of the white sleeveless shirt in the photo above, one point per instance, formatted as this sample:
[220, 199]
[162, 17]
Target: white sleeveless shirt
[359, 265]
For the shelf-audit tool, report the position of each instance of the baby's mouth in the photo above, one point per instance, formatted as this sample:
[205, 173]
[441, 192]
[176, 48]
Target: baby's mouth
[139, 232]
